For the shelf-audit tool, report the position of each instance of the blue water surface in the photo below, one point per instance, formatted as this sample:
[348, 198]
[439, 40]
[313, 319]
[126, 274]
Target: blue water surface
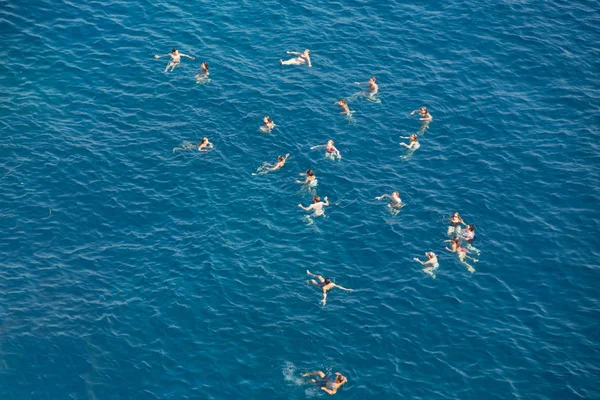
[130, 271]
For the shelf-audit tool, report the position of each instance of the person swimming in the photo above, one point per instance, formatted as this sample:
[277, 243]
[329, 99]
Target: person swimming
[203, 74]
[175, 59]
[266, 167]
[455, 221]
[431, 264]
[372, 89]
[326, 384]
[316, 206]
[344, 106]
[205, 145]
[325, 284]
[461, 252]
[414, 142]
[301, 59]
[468, 235]
[424, 114]
[267, 125]
[395, 201]
[330, 150]
[311, 179]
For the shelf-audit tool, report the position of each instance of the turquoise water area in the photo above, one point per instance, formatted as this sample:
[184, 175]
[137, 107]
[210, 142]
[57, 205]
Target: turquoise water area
[130, 271]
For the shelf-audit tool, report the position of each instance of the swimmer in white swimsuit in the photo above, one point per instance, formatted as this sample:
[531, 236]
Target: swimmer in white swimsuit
[301, 59]
[175, 59]
[330, 150]
[431, 263]
[395, 201]
[414, 142]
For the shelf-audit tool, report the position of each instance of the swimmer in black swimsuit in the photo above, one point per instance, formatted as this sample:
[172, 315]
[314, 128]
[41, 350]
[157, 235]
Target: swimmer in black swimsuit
[328, 385]
[325, 284]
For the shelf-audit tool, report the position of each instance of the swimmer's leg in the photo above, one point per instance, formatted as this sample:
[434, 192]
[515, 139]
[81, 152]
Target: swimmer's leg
[473, 249]
[320, 374]
[319, 277]
[451, 230]
[458, 230]
[429, 271]
[461, 257]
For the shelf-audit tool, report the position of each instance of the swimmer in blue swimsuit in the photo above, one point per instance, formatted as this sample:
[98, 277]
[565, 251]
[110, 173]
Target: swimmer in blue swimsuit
[326, 384]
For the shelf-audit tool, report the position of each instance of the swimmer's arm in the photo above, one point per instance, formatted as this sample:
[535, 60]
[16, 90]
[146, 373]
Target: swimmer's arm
[306, 208]
[294, 52]
[414, 111]
[450, 250]
[343, 288]
[286, 156]
[332, 392]
[405, 145]
[419, 261]
[326, 202]
[324, 301]
[164, 55]
[316, 147]
[309, 63]
[383, 196]
[185, 55]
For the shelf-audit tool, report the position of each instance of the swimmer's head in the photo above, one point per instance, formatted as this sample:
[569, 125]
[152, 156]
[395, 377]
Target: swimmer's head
[267, 119]
[327, 281]
[471, 227]
[280, 158]
[456, 215]
[374, 79]
[430, 254]
[174, 51]
[330, 142]
[343, 101]
[307, 51]
[424, 110]
[204, 140]
[456, 240]
[309, 172]
[339, 378]
[396, 193]
[413, 137]
[204, 65]
[316, 199]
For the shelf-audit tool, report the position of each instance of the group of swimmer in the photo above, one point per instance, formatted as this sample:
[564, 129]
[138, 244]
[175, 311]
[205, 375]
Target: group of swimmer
[431, 264]
[467, 235]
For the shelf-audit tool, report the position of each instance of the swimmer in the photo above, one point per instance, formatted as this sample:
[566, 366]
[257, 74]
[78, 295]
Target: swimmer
[316, 206]
[455, 221]
[414, 142]
[330, 150]
[431, 264]
[344, 106]
[373, 88]
[325, 284]
[461, 252]
[205, 145]
[468, 235]
[268, 124]
[311, 179]
[328, 385]
[203, 74]
[175, 59]
[423, 114]
[266, 167]
[301, 59]
[395, 201]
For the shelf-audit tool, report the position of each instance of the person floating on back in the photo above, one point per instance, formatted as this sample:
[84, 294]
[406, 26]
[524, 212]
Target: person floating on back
[301, 59]
[266, 167]
[326, 384]
[326, 285]
[175, 59]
